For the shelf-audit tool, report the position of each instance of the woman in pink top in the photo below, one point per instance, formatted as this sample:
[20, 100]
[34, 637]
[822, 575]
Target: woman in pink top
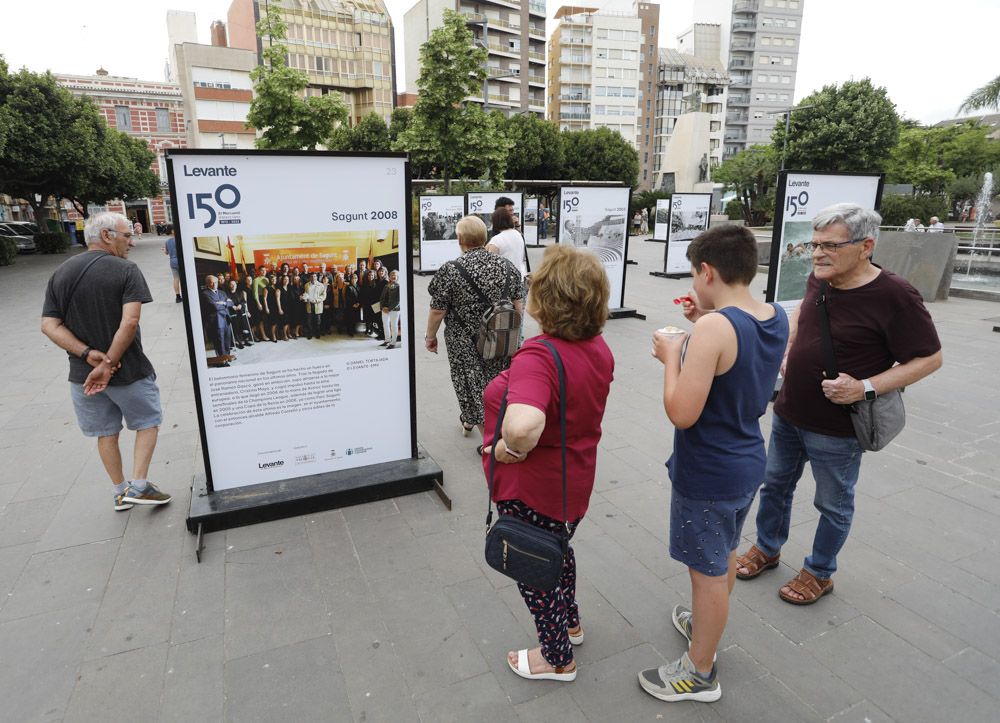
[569, 299]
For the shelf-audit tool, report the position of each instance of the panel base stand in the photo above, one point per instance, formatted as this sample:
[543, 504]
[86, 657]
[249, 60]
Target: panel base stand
[631, 262]
[664, 275]
[421, 272]
[656, 240]
[625, 313]
[276, 500]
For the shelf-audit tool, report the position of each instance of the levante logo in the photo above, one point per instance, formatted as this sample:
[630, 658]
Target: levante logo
[271, 465]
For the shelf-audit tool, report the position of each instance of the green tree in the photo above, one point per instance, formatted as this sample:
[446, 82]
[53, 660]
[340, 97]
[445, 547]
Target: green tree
[287, 119]
[536, 147]
[371, 134]
[932, 158]
[444, 130]
[851, 127]
[599, 154]
[120, 168]
[752, 175]
[50, 137]
[398, 122]
[988, 96]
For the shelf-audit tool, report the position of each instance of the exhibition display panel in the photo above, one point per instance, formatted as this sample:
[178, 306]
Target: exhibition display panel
[325, 419]
[438, 241]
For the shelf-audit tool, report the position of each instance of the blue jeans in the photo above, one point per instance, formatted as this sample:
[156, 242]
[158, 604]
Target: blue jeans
[835, 463]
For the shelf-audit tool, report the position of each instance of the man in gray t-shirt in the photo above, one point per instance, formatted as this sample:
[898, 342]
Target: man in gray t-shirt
[92, 307]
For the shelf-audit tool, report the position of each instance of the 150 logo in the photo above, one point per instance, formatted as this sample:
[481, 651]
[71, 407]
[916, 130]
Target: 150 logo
[797, 204]
[226, 196]
[570, 204]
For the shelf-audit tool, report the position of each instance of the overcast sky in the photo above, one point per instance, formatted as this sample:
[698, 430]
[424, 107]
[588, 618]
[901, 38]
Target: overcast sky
[928, 55]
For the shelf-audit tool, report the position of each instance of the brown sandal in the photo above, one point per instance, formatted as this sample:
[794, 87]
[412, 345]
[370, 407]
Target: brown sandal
[810, 587]
[756, 562]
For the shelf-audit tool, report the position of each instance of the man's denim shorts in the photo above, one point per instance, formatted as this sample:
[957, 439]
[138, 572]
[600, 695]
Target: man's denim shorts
[101, 414]
[704, 532]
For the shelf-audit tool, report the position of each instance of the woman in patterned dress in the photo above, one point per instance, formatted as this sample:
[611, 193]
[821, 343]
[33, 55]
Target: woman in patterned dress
[459, 306]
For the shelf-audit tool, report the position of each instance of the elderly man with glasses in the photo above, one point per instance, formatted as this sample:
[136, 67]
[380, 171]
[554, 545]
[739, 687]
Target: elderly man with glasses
[91, 311]
[884, 339]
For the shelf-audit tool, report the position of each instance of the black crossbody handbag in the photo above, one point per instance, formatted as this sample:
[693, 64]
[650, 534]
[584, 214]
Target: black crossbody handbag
[876, 422]
[515, 548]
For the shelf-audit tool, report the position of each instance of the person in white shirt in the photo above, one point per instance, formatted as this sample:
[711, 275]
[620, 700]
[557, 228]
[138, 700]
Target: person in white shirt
[507, 242]
[935, 225]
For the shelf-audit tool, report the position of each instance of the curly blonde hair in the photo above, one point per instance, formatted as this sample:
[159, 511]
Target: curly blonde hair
[569, 294]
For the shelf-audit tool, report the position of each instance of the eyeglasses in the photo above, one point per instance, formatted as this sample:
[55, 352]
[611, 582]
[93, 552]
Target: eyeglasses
[829, 246]
[126, 234]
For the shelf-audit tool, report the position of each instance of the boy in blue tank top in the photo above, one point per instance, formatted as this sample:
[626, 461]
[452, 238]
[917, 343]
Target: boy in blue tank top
[715, 401]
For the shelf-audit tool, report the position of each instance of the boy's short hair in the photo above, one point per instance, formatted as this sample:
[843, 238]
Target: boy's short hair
[729, 249]
[503, 201]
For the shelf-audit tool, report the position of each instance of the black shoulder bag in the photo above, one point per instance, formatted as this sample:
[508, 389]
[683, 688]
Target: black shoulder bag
[877, 421]
[521, 551]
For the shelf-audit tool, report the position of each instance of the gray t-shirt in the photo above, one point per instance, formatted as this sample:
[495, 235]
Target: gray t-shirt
[95, 310]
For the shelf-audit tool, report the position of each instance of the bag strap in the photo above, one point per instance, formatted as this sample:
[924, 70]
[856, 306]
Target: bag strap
[76, 283]
[562, 433]
[472, 282]
[829, 358]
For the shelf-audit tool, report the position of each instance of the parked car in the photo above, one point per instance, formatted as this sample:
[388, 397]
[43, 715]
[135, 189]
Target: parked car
[25, 241]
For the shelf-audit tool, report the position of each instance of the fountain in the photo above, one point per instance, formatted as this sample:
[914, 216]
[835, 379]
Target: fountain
[983, 211]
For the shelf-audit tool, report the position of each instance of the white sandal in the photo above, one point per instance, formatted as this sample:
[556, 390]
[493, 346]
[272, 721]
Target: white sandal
[576, 639]
[523, 669]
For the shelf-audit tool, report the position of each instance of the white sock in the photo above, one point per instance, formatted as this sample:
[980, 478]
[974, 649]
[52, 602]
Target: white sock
[120, 488]
[139, 485]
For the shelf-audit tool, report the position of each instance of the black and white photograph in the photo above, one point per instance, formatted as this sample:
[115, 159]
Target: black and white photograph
[596, 218]
[438, 240]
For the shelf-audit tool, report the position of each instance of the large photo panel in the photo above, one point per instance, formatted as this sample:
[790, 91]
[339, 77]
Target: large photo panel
[662, 216]
[438, 240]
[483, 205]
[298, 370]
[801, 195]
[689, 216]
[595, 218]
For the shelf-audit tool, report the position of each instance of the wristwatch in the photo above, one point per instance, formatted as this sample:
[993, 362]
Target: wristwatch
[870, 394]
[85, 353]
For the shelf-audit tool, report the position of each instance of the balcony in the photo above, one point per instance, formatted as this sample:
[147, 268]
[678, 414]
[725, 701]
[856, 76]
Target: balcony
[741, 26]
[570, 59]
[576, 41]
[745, 6]
[536, 79]
[737, 118]
[505, 50]
[536, 32]
[536, 7]
[575, 97]
[735, 137]
[537, 57]
[739, 100]
[580, 117]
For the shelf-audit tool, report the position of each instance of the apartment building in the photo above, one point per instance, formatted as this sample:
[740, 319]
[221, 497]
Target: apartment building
[147, 109]
[513, 31]
[216, 90]
[763, 60]
[690, 114]
[343, 46]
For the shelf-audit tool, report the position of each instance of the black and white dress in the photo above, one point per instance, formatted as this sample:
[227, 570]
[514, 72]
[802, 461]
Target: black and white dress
[498, 280]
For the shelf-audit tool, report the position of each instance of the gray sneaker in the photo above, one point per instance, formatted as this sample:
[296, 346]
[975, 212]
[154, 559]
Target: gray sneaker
[149, 496]
[682, 621]
[680, 681]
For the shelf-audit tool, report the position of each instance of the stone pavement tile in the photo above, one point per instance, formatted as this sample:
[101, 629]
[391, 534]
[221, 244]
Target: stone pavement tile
[298, 682]
[872, 567]
[863, 712]
[193, 687]
[424, 513]
[59, 473]
[272, 599]
[553, 703]
[976, 625]
[946, 512]
[431, 656]
[446, 556]
[797, 623]
[983, 565]
[22, 522]
[290, 530]
[651, 551]
[923, 444]
[199, 604]
[479, 698]
[616, 470]
[980, 491]
[8, 491]
[85, 515]
[609, 690]
[787, 661]
[12, 563]
[984, 460]
[647, 503]
[978, 669]
[62, 579]
[39, 661]
[103, 687]
[898, 678]
[764, 699]
[138, 603]
[371, 511]
[878, 605]
[986, 482]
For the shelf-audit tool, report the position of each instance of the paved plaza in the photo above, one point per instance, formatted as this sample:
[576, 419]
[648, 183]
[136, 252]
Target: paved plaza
[387, 611]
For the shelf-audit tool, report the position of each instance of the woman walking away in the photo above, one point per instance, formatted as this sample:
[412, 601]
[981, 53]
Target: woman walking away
[456, 299]
[569, 300]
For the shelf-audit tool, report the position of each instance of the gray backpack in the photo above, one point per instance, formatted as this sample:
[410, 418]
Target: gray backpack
[499, 330]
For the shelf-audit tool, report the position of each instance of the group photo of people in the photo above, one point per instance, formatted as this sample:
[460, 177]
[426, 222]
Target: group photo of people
[259, 299]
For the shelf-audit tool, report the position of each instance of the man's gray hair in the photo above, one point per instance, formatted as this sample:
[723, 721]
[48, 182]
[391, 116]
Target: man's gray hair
[860, 222]
[100, 221]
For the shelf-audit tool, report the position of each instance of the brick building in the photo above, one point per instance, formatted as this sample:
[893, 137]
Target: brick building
[146, 109]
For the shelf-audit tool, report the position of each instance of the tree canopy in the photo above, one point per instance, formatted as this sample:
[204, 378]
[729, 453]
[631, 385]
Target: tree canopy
[536, 150]
[285, 118]
[752, 174]
[599, 154]
[987, 96]
[851, 127]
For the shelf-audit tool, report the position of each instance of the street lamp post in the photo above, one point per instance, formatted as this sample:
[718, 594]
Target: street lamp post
[788, 116]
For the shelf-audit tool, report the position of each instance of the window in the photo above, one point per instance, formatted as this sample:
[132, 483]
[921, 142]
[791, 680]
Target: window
[628, 92]
[769, 3]
[792, 23]
[782, 3]
[162, 120]
[614, 90]
[772, 97]
[793, 4]
[599, 110]
[714, 126]
[765, 40]
[600, 90]
[775, 60]
[628, 110]
[357, 39]
[652, 30]
[786, 61]
[764, 59]
[123, 118]
[783, 97]
[786, 80]
[761, 78]
[790, 42]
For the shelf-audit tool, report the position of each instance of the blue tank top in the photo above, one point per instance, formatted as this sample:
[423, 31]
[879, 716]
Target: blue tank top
[721, 456]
